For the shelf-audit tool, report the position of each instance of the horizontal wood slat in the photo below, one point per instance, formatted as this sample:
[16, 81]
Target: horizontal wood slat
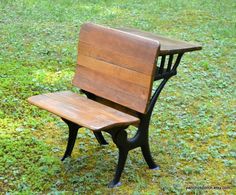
[137, 64]
[114, 71]
[120, 42]
[127, 94]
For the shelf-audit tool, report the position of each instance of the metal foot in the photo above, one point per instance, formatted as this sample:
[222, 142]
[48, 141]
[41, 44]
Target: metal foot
[148, 157]
[100, 138]
[113, 185]
[156, 168]
[73, 130]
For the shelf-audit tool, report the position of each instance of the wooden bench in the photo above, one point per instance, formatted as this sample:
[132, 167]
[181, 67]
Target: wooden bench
[116, 70]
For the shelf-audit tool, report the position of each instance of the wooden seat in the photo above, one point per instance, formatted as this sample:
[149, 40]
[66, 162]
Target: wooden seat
[82, 111]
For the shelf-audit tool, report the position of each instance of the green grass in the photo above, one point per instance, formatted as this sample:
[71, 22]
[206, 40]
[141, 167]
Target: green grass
[193, 125]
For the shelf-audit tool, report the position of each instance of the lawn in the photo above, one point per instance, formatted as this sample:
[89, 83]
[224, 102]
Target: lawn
[193, 125]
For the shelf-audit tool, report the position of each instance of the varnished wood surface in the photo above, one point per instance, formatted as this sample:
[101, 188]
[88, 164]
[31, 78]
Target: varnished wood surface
[82, 111]
[116, 65]
[168, 45]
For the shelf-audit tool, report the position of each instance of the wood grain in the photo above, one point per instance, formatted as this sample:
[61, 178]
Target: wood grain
[116, 71]
[114, 57]
[116, 65]
[127, 94]
[82, 111]
[168, 45]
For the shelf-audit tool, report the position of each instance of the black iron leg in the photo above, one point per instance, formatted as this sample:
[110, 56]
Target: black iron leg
[73, 130]
[119, 169]
[119, 137]
[100, 138]
[148, 157]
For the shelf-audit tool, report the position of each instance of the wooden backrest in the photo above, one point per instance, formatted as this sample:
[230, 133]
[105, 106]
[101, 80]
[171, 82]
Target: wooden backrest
[116, 65]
